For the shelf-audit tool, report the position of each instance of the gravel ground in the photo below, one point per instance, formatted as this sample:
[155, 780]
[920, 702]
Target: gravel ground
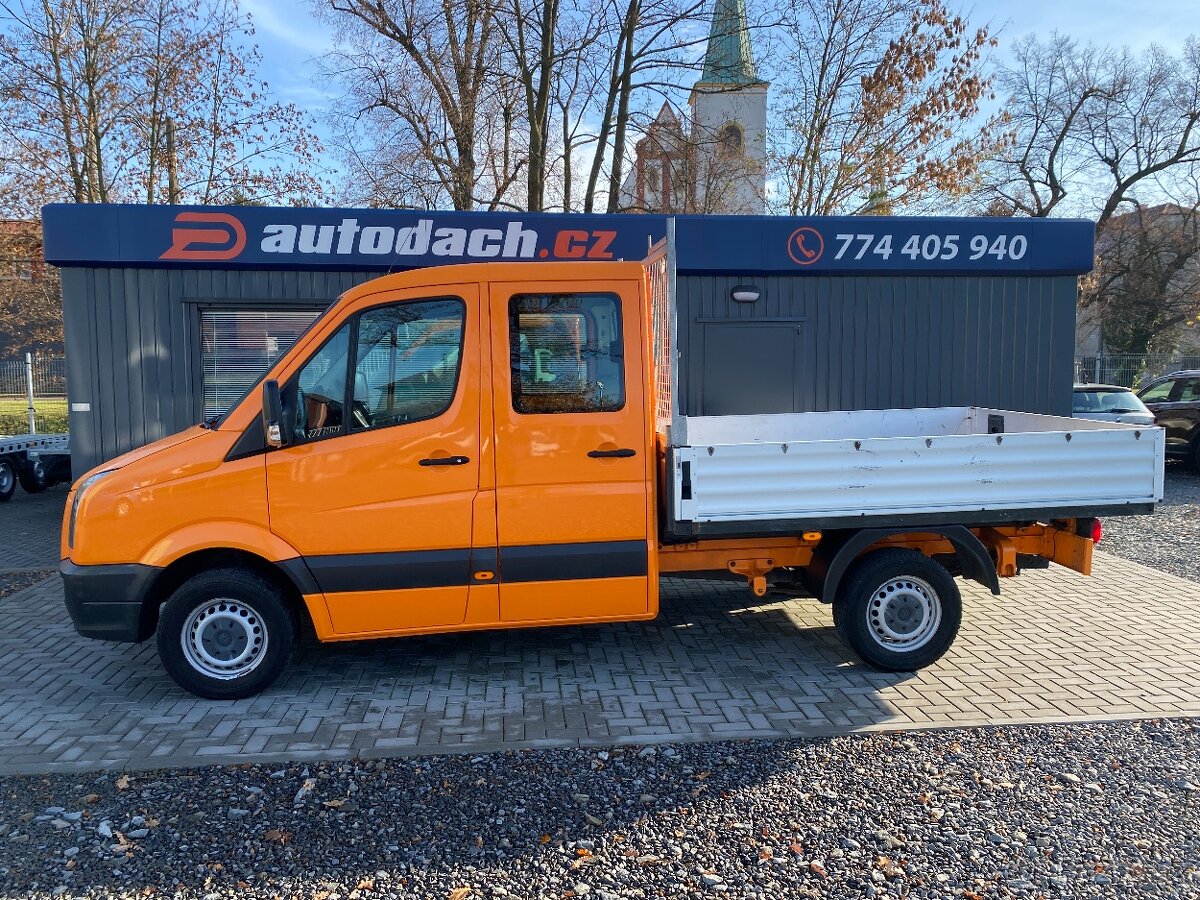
[1170, 538]
[1080, 811]
[11, 582]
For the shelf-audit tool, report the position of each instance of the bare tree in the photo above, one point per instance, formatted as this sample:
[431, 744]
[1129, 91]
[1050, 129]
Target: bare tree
[89, 90]
[879, 104]
[646, 44]
[1147, 286]
[1093, 127]
[1114, 136]
[427, 64]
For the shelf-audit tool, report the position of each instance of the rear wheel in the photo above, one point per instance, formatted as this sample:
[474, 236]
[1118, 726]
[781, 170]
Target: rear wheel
[33, 477]
[8, 479]
[899, 610]
[226, 634]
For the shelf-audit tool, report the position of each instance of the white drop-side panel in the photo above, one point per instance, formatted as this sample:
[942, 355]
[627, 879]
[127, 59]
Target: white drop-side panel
[947, 462]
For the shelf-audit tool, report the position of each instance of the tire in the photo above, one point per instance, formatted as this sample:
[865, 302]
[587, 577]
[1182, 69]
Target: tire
[8, 479]
[899, 610]
[33, 476]
[1194, 455]
[208, 630]
[839, 622]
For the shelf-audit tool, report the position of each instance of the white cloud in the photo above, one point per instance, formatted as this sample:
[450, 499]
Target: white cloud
[296, 28]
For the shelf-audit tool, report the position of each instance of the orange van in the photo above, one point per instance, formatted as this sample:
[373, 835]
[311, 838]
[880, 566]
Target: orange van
[490, 446]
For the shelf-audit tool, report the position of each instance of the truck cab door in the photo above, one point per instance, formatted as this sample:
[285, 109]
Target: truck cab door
[377, 490]
[573, 472]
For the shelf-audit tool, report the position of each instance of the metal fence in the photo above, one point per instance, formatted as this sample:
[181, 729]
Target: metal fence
[37, 386]
[1131, 369]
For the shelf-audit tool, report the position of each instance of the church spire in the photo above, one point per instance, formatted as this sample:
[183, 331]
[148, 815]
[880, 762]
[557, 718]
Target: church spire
[728, 59]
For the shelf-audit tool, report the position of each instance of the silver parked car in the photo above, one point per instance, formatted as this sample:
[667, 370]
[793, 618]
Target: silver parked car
[1110, 403]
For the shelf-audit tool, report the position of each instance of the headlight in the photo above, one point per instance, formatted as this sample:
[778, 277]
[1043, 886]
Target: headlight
[79, 492]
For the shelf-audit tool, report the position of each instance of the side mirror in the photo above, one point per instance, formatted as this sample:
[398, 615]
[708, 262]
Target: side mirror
[277, 435]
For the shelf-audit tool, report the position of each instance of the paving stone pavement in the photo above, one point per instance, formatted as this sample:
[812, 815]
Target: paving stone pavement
[716, 664]
[29, 529]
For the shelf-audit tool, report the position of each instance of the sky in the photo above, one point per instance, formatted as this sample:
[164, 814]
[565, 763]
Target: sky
[291, 38]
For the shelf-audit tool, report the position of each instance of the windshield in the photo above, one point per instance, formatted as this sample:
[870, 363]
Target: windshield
[1108, 401]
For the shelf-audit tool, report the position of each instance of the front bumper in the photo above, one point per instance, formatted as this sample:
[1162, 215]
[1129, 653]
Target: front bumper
[107, 602]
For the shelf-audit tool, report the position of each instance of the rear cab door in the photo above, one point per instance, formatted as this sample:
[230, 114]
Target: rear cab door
[573, 469]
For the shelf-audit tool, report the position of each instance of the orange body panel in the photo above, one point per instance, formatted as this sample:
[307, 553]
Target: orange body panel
[188, 500]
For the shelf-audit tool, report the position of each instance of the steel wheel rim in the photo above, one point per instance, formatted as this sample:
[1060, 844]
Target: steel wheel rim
[224, 639]
[904, 613]
[6, 478]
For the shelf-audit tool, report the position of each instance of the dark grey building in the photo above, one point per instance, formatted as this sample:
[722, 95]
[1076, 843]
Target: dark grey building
[172, 313]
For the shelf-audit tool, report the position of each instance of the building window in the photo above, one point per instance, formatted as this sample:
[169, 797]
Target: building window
[20, 269]
[729, 140]
[238, 346]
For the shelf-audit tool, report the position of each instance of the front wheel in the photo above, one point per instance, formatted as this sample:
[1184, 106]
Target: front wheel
[226, 634]
[899, 610]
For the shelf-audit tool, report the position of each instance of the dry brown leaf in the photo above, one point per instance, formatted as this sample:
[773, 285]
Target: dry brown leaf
[818, 870]
[92, 798]
[334, 804]
[367, 884]
[123, 783]
[582, 851]
[459, 893]
[544, 839]
[277, 836]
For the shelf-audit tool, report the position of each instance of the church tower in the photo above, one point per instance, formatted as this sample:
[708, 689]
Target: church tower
[729, 120]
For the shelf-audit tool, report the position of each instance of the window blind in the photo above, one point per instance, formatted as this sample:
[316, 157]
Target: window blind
[238, 346]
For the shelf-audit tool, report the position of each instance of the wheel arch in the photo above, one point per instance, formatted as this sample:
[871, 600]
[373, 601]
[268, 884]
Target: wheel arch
[290, 576]
[837, 552]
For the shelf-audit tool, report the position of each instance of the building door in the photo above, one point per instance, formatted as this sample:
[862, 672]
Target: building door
[573, 477]
[377, 492]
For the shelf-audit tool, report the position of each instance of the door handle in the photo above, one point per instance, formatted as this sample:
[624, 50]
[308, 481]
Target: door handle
[623, 453]
[446, 461]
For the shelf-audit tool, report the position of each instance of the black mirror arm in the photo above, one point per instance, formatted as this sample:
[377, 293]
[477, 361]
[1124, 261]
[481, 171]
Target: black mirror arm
[273, 426]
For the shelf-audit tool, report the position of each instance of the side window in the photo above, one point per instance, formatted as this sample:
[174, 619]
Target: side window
[1159, 393]
[407, 360]
[1191, 391]
[565, 352]
[315, 397]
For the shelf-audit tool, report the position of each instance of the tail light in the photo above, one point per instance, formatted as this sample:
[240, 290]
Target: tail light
[1097, 531]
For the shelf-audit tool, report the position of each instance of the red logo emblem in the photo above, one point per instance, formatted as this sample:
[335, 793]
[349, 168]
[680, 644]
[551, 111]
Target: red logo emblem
[805, 245]
[222, 237]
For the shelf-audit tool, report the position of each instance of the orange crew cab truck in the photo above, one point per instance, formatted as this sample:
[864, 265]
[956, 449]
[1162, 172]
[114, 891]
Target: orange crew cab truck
[497, 445]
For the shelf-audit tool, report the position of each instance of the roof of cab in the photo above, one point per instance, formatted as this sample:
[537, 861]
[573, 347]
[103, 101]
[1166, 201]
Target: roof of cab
[507, 272]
